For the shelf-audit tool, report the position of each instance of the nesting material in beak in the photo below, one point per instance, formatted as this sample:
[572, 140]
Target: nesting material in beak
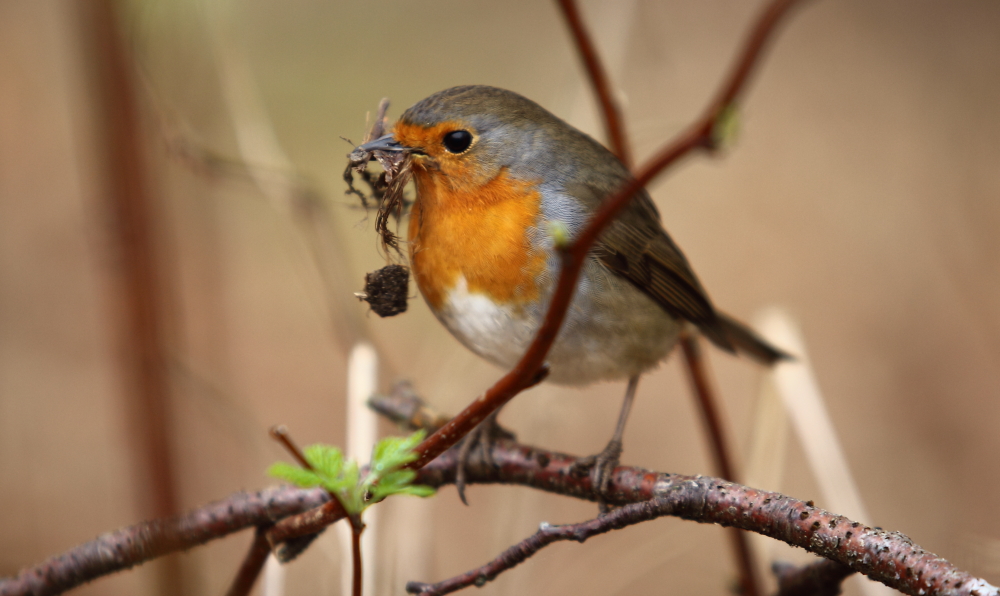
[386, 187]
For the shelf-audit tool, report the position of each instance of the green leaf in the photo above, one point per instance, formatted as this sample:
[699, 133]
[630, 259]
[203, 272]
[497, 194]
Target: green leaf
[394, 452]
[295, 475]
[386, 475]
[398, 478]
[417, 490]
[325, 459]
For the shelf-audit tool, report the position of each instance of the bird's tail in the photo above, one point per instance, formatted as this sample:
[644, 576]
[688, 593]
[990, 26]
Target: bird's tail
[744, 341]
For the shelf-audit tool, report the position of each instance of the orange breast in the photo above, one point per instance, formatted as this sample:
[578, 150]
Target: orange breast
[479, 232]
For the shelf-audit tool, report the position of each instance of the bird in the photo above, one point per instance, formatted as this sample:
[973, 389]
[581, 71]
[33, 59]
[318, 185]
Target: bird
[499, 181]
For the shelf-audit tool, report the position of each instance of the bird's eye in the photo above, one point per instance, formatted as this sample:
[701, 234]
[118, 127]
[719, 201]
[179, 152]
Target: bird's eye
[457, 141]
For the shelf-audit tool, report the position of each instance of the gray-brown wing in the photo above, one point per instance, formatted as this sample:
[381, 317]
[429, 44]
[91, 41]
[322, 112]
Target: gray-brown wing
[636, 247]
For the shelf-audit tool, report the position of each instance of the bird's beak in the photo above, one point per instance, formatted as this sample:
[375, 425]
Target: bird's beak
[383, 143]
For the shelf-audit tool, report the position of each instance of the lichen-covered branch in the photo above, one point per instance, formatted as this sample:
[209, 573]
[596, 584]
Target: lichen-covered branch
[888, 557]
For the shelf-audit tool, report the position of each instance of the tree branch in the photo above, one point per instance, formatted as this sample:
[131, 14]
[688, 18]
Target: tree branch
[524, 550]
[145, 541]
[252, 565]
[888, 557]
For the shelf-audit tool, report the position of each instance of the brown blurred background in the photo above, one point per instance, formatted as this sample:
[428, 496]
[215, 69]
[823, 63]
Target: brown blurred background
[863, 195]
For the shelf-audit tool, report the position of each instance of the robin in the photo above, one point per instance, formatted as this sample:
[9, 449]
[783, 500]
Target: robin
[498, 180]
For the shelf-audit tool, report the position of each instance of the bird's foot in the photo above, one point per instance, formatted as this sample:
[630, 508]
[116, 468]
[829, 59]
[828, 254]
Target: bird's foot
[601, 468]
[481, 438]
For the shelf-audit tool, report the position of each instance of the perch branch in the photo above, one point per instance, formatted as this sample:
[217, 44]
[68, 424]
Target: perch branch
[888, 557]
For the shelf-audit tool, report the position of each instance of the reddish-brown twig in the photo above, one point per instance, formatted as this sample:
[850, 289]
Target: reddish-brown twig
[547, 534]
[356, 564]
[254, 560]
[612, 116]
[708, 405]
[252, 565]
[133, 545]
[280, 434]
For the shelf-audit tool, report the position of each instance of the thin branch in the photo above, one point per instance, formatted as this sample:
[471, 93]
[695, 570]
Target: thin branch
[252, 565]
[822, 578]
[708, 405]
[145, 541]
[304, 524]
[524, 550]
[889, 557]
[530, 369]
[356, 567]
[612, 116]
[253, 562]
[280, 434]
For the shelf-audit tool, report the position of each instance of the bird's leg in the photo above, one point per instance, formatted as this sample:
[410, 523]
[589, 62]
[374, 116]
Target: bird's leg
[483, 435]
[603, 465]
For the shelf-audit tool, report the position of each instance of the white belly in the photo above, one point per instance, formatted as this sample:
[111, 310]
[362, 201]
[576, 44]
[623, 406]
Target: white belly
[611, 331]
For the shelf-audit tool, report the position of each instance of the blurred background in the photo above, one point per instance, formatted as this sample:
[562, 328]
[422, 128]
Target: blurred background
[162, 304]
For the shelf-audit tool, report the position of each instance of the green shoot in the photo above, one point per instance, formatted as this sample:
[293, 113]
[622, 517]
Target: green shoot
[726, 127]
[385, 476]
